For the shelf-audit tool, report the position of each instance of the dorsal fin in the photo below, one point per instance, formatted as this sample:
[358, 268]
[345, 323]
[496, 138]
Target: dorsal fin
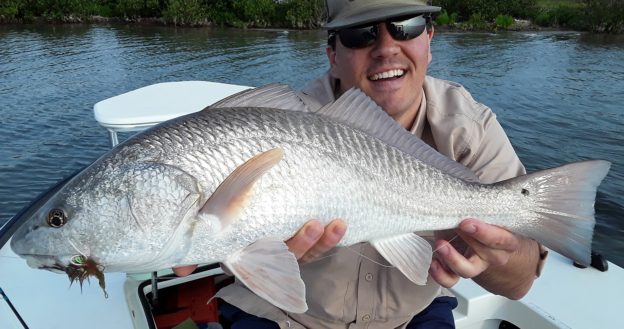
[271, 96]
[357, 110]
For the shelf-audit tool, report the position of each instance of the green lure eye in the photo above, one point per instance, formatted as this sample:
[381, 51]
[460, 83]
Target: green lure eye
[78, 260]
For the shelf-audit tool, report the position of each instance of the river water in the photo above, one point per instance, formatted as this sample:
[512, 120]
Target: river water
[559, 95]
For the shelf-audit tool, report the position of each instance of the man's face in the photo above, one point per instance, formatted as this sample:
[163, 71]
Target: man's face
[389, 71]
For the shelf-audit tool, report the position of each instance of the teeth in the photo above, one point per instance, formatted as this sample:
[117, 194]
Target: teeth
[387, 74]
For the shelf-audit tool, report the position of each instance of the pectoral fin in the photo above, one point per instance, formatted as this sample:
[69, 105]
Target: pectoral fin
[271, 271]
[234, 192]
[409, 253]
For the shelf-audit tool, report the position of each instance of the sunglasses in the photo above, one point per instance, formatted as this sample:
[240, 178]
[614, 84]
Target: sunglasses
[361, 37]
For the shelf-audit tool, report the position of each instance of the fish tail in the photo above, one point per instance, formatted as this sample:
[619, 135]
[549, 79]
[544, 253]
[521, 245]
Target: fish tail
[563, 199]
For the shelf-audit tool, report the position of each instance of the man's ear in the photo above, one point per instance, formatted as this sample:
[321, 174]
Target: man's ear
[430, 35]
[331, 57]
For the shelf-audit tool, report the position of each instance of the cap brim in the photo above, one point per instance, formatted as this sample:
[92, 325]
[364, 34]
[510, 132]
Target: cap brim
[372, 14]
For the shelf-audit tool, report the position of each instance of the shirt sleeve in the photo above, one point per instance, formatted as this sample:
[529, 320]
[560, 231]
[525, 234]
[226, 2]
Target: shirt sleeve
[490, 154]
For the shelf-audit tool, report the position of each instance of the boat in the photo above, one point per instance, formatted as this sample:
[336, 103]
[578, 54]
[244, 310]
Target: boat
[565, 296]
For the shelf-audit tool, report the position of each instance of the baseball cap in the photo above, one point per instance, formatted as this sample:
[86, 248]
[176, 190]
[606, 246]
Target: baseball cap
[348, 13]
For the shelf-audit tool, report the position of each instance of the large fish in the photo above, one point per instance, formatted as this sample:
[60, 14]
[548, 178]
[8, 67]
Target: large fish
[230, 183]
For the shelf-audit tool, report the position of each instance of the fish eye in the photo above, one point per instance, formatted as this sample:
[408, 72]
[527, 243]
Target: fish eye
[78, 260]
[525, 192]
[57, 218]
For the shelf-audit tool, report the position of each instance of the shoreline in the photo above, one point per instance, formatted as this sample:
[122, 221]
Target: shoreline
[518, 26]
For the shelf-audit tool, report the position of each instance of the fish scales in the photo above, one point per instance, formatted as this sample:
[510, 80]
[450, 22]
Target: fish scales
[368, 187]
[384, 176]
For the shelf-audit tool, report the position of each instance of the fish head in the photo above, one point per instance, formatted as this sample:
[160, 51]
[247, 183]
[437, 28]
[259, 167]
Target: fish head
[45, 245]
[41, 237]
[120, 219]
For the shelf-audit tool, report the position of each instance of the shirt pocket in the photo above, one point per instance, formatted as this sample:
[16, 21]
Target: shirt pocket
[331, 285]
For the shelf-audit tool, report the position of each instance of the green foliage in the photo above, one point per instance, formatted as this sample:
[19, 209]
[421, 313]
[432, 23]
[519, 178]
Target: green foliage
[445, 19]
[543, 19]
[595, 15]
[476, 22]
[220, 12]
[504, 21]
[304, 13]
[561, 15]
[9, 10]
[137, 8]
[442, 18]
[605, 15]
[258, 13]
[184, 12]
[63, 9]
[489, 9]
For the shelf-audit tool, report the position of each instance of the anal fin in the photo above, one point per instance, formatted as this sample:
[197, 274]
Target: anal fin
[271, 271]
[409, 253]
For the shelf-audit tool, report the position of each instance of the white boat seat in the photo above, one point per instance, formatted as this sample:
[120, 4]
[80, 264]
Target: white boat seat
[144, 107]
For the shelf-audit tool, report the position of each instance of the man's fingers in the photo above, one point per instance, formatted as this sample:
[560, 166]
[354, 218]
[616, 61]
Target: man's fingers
[442, 275]
[305, 238]
[491, 243]
[184, 270]
[334, 231]
[457, 263]
[492, 256]
[491, 236]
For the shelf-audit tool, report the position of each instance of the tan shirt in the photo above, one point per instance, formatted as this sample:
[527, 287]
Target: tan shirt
[349, 288]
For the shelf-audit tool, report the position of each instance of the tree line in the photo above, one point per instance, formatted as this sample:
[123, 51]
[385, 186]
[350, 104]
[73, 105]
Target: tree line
[589, 15]
[301, 14]
[593, 15]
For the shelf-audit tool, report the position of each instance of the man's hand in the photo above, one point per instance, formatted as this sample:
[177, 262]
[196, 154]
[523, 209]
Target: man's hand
[310, 242]
[184, 270]
[313, 240]
[497, 259]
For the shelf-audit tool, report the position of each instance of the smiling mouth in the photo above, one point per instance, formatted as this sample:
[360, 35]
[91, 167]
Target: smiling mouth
[390, 74]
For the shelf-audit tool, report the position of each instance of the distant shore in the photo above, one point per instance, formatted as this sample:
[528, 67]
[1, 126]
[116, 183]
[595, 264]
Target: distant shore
[601, 16]
[519, 25]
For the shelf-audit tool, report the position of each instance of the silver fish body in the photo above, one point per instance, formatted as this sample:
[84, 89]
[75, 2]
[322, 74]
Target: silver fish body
[204, 187]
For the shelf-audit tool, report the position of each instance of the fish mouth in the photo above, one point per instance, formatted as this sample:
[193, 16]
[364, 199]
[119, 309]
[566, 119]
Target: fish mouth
[79, 269]
[44, 262]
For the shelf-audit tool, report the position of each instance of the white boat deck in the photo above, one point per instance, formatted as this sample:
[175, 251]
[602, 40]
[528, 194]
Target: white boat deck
[45, 299]
[564, 296]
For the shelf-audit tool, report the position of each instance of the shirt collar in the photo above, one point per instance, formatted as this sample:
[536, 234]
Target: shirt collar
[325, 90]
[421, 118]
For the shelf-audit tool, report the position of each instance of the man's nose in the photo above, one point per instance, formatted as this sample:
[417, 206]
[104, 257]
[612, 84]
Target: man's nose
[385, 45]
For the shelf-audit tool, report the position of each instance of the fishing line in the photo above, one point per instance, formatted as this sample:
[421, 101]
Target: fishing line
[447, 243]
[323, 257]
[370, 259]
[288, 324]
[210, 300]
[87, 254]
[391, 266]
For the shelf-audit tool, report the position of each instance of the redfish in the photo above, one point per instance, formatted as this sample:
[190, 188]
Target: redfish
[230, 183]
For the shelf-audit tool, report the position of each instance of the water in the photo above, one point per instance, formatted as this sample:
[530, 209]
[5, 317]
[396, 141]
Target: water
[559, 95]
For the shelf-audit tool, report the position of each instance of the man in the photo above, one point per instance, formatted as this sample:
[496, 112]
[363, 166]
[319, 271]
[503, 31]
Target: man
[383, 48]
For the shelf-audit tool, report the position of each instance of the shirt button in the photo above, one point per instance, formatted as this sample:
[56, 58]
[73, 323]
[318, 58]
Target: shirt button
[369, 277]
[366, 318]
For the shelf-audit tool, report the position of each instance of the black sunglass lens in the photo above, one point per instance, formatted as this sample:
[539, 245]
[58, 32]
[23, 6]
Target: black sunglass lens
[358, 37]
[407, 29]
